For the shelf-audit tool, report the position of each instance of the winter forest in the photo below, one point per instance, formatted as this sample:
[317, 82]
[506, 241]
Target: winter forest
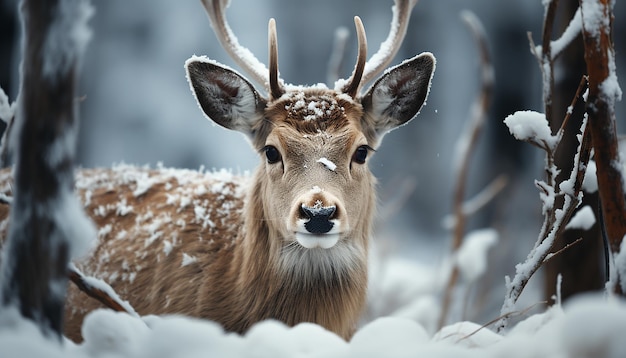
[500, 207]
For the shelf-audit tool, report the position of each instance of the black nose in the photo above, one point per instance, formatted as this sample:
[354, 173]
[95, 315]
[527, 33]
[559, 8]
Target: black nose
[319, 218]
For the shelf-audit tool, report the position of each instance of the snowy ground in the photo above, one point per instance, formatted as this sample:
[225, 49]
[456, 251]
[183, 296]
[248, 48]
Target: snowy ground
[585, 327]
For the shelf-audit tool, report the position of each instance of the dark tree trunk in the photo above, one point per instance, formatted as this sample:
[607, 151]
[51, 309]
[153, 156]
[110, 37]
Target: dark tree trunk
[40, 239]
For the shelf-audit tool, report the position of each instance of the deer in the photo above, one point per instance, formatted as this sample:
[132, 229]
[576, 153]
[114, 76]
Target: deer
[289, 242]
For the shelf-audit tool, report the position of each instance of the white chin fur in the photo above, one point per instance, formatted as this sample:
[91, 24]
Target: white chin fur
[309, 241]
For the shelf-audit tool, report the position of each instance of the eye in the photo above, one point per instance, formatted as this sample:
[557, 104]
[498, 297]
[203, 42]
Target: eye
[361, 154]
[272, 154]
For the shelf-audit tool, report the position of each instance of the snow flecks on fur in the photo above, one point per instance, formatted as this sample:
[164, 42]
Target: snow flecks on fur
[188, 260]
[328, 164]
[165, 202]
[310, 108]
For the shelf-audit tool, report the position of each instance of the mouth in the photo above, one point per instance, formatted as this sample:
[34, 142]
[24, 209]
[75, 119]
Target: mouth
[311, 241]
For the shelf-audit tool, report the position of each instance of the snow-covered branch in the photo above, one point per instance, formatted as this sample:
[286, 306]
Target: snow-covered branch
[559, 199]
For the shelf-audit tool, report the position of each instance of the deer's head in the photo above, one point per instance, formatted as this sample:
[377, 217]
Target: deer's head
[314, 142]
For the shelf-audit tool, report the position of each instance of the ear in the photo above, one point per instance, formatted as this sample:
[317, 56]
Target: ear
[225, 96]
[397, 96]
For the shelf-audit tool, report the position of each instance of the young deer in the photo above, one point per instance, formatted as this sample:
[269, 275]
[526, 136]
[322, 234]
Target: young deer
[289, 243]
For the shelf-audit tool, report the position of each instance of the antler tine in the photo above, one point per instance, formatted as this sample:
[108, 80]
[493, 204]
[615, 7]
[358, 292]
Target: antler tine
[388, 49]
[276, 88]
[354, 83]
[216, 9]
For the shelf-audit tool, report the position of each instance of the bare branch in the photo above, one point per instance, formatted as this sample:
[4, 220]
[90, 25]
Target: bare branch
[550, 256]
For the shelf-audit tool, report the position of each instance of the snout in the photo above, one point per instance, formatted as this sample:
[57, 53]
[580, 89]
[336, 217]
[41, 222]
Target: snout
[318, 219]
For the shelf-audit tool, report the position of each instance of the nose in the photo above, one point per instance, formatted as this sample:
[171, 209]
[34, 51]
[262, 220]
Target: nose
[319, 218]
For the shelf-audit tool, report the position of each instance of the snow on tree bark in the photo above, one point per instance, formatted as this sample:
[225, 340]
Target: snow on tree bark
[604, 90]
[47, 225]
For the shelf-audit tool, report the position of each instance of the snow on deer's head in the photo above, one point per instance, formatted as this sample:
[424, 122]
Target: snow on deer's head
[315, 188]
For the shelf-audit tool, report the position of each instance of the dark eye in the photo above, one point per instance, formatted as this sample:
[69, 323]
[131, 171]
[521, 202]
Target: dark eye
[361, 154]
[272, 154]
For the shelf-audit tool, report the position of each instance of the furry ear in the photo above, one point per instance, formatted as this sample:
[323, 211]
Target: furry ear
[224, 96]
[398, 95]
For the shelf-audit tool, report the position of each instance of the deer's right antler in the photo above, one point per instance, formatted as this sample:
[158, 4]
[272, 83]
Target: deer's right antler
[388, 49]
[216, 9]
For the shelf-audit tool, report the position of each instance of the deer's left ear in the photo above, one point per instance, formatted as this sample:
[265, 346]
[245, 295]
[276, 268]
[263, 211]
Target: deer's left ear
[397, 96]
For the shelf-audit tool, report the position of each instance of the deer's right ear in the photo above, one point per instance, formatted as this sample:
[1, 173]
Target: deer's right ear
[225, 96]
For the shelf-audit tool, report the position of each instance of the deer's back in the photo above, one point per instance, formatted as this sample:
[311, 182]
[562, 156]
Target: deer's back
[159, 232]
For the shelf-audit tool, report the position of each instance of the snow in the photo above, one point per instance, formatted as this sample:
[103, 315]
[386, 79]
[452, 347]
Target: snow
[593, 17]
[7, 109]
[590, 181]
[471, 258]
[619, 262]
[188, 260]
[75, 226]
[582, 219]
[530, 126]
[327, 163]
[610, 88]
[568, 36]
[589, 326]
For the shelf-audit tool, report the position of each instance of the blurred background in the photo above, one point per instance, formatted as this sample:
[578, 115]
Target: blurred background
[138, 108]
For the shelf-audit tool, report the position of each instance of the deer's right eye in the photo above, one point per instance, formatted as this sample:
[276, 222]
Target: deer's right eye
[272, 154]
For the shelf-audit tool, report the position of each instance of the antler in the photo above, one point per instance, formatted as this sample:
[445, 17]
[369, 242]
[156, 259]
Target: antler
[352, 87]
[388, 49]
[276, 87]
[216, 9]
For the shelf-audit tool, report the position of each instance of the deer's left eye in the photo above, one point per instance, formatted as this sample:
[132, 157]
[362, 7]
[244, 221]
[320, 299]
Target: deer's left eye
[361, 154]
[272, 154]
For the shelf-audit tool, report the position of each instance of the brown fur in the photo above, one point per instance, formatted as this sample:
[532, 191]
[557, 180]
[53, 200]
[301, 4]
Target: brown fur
[236, 279]
[237, 250]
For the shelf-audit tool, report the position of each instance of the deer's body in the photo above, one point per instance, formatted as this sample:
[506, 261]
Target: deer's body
[290, 242]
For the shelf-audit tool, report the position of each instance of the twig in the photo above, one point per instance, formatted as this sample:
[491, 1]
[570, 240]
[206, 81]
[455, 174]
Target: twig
[507, 315]
[568, 113]
[104, 293]
[465, 147]
[550, 256]
[546, 57]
